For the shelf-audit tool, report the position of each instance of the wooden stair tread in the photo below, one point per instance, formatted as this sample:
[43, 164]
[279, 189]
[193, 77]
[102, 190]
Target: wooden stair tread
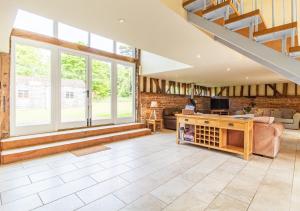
[243, 21]
[61, 143]
[217, 11]
[43, 135]
[195, 5]
[275, 32]
[32, 140]
[14, 155]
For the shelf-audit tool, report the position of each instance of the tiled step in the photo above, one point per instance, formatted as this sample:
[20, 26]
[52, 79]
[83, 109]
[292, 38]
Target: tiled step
[275, 33]
[218, 11]
[196, 5]
[32, 140]
[245, 20]
[13, 155]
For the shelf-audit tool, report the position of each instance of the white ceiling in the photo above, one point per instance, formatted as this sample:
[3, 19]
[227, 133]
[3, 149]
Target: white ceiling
[151, 26]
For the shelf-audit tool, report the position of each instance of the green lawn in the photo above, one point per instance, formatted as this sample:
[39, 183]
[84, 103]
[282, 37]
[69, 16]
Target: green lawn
[101, 110]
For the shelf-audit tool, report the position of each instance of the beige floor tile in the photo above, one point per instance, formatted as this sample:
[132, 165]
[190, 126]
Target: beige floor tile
[79, 173]
[172, 189]
[23, 204]
[91, 161]
[68, 203]
[107, 203]
[101, 189]
[51, 173]
[22, 172]
[226, 203]
[191, 200]
[110, 173]
[14, 183]
[209, 188]
[137, 189]
[146, 203]
[138, 173]
[53, 194]
[27, 190]
[114, 162]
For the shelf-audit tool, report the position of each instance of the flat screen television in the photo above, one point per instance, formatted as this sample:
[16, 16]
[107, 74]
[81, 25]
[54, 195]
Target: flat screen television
[219, 104]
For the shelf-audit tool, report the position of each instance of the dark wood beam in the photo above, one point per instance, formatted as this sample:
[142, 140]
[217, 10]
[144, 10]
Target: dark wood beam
[242, 91]
[221, 91]
[275, 91]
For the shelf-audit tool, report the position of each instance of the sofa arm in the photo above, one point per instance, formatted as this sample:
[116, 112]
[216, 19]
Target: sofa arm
[296, 118]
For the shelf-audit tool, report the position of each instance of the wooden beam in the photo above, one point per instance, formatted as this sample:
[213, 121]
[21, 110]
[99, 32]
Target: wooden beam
[4, 95]
[227, 91]
[151, 85]
[234, 91]
[54, 41]
[209, 90]
[296, 89]
[266, 90]
[242, 91]
[221, 91]
[249, 90]
[144, 84]
[216, 90]
[184, 88]
[275, 91]
[157, 86]
[178, 87]
[163, 86]
[257, 90]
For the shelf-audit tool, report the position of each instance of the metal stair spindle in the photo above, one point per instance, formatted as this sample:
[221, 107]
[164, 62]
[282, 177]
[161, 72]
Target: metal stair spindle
[273, 15]
[242, 7]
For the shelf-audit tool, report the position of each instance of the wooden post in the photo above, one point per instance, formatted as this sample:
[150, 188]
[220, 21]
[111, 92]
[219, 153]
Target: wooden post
[257, 90]
[163, 86]
[144, 84]
[296, 89]
[249, 90]
[242, 91]
[4, 95]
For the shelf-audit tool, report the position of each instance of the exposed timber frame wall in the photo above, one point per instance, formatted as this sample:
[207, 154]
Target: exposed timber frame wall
[161, 86]
[259, 90]
[4, 94]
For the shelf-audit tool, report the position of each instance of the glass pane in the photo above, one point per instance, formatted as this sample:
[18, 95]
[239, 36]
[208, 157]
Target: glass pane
[101, 90]
[125, 91]
[73, 88]
[34, 23]
[102, 43]
[125, 50]
[33, 85]
[72, 34]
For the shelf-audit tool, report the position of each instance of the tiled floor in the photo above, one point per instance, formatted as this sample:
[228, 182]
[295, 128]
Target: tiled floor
[153, 173]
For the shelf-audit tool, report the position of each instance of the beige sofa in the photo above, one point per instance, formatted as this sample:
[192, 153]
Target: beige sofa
[288, 117]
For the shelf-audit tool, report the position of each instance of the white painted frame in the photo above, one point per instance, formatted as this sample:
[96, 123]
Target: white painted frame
[55, 123]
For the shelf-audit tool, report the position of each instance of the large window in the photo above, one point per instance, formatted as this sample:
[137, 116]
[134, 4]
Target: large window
[101, 89]
[34, 23]
[124, 91]
[125, 50]
[32, 85]
[73, 88]
[102, 43]
[72, 34]
[54, 88]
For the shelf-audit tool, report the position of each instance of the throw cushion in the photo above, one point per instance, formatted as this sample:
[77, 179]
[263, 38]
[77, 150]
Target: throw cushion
[264, 119]
[288, 113]
[276, 113]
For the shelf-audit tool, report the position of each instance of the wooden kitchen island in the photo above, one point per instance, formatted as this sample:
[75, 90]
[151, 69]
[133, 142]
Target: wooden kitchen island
[212, 131]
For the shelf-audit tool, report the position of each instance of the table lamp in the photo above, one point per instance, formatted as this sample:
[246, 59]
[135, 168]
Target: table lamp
[153, 106]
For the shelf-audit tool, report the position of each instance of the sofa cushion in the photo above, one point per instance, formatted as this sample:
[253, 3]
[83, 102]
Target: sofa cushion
[287, 113]
[285, 121]
[264, 119]
[276, 113]
[170, 117]
[171, 111]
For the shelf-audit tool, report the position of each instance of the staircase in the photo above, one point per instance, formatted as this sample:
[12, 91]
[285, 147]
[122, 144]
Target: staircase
[248, 33]
[33, 146]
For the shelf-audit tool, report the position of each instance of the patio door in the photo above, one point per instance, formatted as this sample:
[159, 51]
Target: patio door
[100, 99]
[73, 90]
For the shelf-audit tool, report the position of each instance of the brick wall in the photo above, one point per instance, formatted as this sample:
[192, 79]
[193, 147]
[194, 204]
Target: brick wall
[238, 103]
[168, 101]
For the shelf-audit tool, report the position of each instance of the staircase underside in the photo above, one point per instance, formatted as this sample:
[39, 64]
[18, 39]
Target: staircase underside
[275, 61]
[34, 146]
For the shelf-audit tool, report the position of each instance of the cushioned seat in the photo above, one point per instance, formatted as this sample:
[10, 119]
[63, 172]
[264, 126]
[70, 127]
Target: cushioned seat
[285, 121]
